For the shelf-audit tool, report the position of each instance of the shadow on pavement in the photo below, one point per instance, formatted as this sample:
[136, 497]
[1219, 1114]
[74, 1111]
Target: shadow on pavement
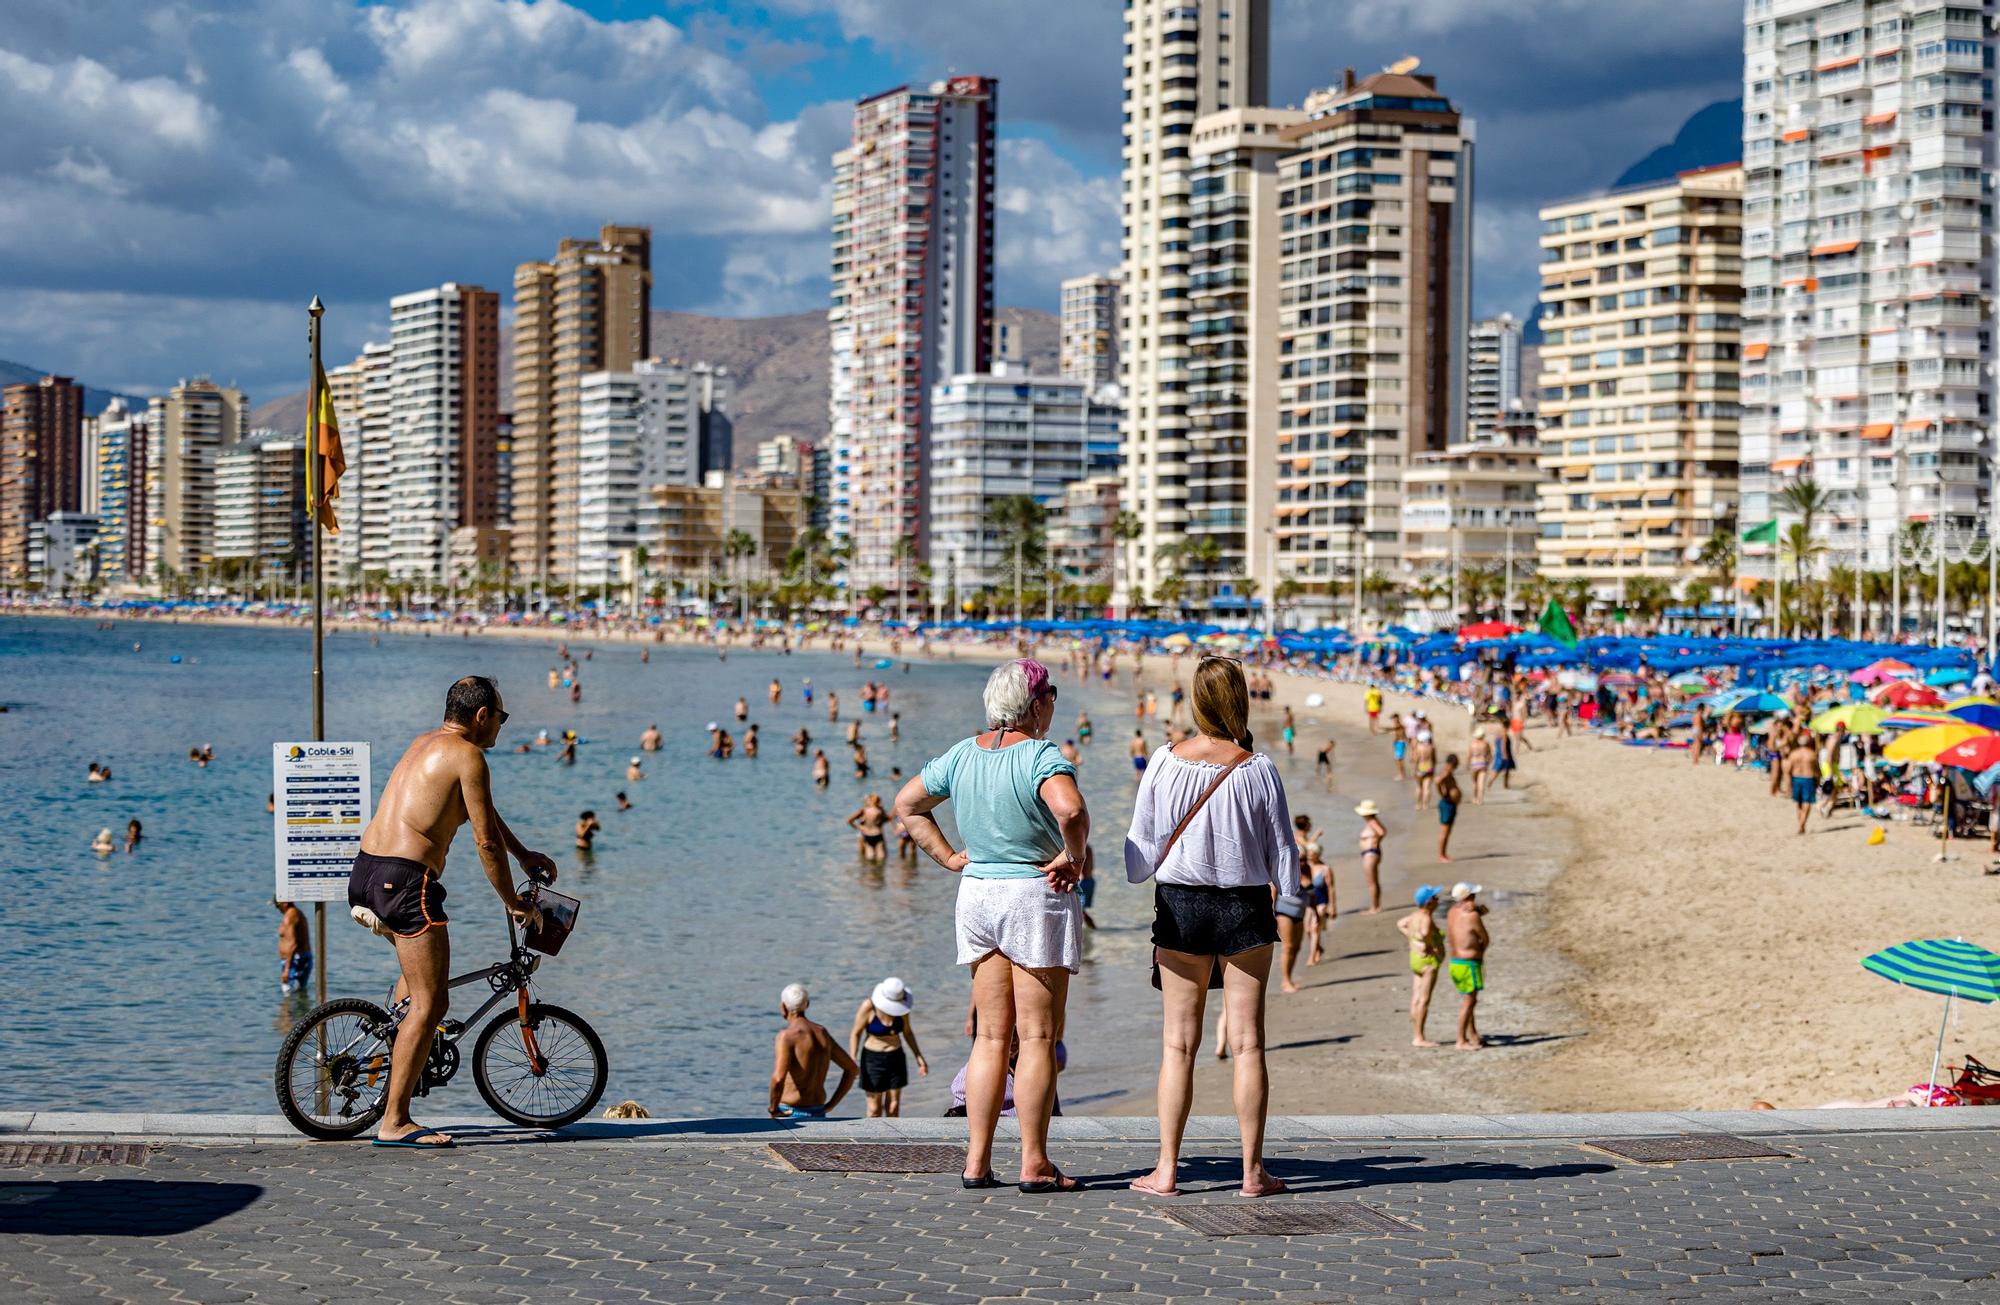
[118, 1207]
[1215, 1174]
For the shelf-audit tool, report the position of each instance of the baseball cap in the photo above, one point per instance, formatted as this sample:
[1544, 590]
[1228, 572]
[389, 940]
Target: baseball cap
[1461, 890]
[1426, 895]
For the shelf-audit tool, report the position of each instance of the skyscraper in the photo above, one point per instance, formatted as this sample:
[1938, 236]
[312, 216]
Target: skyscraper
[1375, 203]
[1182, 60]
[260, 507]
[589, 310]
[443, 431]
[1868, 244]
[188, 428]
[639, 429]
[1088, 349]
[364, 396]
[41, 463]
[121, 492]
[912, 301]
[1492, 373]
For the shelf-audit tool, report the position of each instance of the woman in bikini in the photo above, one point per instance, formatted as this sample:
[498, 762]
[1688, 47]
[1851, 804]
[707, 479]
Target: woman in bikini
[1426, 956]
[881, 1027]
[1372, 834]
[1480, 758]
[868, 823]
[1318, 878]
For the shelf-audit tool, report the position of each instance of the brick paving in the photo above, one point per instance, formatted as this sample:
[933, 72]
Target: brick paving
[1906, 1215]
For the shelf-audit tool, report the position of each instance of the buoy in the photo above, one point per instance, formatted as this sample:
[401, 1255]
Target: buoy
[883, 663]
[1876, 837]
[175, 659]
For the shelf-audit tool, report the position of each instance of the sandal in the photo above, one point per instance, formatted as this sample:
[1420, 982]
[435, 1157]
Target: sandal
[1060, 1183]
[984, 1180]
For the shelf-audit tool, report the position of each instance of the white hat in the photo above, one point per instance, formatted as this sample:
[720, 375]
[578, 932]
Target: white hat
[1367, 808]
[635, 761]
[1462, 890]
[712, 727]
[891, 997]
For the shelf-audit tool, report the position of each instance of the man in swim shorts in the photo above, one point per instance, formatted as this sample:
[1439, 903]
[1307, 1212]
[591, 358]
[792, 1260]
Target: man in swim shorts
[1449, 795]
[1802, 767]
[440, 783]
[804, 1050]
[1465, 930]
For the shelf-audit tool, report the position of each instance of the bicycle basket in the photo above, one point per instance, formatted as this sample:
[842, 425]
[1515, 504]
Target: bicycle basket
[558, 919]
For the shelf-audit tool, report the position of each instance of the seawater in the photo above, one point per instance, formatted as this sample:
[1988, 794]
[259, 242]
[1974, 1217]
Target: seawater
[148, 982]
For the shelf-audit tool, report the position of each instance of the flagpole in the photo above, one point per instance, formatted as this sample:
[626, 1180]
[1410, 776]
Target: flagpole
[314, 492]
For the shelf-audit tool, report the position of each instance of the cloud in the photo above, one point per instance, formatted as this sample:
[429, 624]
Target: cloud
[1053, 221]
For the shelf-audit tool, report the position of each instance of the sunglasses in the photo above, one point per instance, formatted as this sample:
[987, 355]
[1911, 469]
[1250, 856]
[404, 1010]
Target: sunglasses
[503, 718]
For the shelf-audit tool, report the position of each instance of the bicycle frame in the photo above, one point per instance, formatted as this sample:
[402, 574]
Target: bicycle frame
[504, 977]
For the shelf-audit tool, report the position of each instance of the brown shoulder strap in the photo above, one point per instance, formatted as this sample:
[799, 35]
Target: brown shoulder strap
[1195, 810]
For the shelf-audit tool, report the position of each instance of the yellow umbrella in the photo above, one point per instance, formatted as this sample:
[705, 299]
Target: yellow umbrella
[1177, 641]
[1859, 717]
[1926, 743]
[1973, 700]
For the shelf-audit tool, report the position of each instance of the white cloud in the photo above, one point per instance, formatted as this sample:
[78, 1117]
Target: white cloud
[1053, 221]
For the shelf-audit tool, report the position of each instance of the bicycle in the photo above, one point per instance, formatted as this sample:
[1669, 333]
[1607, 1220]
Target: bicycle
[550, 1076]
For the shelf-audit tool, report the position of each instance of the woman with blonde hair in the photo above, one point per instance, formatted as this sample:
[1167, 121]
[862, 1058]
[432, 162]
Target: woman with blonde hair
[1212, 829]
[1019, 920]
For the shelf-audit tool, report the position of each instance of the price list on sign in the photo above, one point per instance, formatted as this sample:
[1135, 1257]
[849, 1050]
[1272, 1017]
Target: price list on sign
[322, 802]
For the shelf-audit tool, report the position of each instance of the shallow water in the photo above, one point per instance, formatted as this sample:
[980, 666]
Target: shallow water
[148, 982]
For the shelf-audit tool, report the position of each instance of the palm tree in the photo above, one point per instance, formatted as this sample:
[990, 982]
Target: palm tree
[1804, 499]
[1126, 530]
[1288, 589]
[1377, 589]
[1018, 521]
[737, 545]
[1167, 592]
[1200, 556]
[641, 555]
[1647, 596]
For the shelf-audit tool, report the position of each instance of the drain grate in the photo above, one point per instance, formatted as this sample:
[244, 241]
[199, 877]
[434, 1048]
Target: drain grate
[870, 1158]
[73, 1153]
[1688, 1146]
[1287, 1219]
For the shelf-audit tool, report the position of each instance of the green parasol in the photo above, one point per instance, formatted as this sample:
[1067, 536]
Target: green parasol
[1951, 967]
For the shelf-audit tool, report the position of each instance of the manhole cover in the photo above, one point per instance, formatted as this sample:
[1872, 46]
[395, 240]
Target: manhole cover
[870, 1158]
[72, 1153]
[1688, 1146]
[1287, 1219]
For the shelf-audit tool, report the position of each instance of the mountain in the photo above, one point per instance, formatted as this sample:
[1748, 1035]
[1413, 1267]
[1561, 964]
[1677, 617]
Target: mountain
[94, 400]
[778, 364]
[1713, 135]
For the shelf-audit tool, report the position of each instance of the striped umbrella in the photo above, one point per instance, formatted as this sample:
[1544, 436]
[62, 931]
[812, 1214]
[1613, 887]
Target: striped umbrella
[1951, 967]
[1925, 744]
[1914, 718]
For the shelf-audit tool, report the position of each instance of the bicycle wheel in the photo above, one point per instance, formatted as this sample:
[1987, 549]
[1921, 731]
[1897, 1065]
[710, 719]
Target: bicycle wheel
[573, 1071]
[333, 1071]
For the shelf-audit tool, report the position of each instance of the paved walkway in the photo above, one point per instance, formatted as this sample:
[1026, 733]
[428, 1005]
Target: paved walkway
[1866, 1204]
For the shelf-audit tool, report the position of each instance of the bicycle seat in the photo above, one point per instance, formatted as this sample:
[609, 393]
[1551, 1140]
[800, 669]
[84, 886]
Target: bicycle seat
[370, 921]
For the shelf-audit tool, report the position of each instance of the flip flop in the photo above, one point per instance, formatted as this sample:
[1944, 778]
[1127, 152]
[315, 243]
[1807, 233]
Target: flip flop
[1041, 1186]
[980, 1183]
[410, 1140]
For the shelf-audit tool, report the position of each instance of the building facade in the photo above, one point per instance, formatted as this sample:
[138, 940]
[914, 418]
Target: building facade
[1474, 504]
[1083, 536]
[1181, 60]
[1493, 383]
[63, 553]
[121, 493]
[912, 302]
[693, 525]
[638, 429]
[260, 507]
[1641, 326]
[1868, 244]
[1088, 348]
[1001, 436]
[588, 310]
[188, 429]
[1375, 219]
[41, 463]
[443, 435]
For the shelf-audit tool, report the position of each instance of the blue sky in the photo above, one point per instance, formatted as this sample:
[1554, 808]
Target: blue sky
[180, 177]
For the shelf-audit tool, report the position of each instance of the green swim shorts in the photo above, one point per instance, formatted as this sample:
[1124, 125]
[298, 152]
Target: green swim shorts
[1467, 976]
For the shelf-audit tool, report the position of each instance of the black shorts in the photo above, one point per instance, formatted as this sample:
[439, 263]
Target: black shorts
[404, 894]
[884, 1071]
[1204, 921]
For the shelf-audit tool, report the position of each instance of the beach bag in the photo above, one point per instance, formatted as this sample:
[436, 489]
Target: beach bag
[1215, 972]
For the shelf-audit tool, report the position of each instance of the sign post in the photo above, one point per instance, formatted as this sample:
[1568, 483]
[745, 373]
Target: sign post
[323, 799]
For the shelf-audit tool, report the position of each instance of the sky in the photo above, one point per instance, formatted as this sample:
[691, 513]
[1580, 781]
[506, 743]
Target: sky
[178, 179]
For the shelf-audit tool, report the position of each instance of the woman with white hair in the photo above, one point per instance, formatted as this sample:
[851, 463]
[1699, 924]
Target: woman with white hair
[1019, 920]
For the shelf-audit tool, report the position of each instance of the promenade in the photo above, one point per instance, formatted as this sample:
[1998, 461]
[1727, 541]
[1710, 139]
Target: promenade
[1892, 1205]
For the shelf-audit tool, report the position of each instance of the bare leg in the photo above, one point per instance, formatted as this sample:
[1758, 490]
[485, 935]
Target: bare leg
[1468, 1030]
[892, 1103]
[1039, 999]
[1221, 1029]
[1183, 994]
[1421, 987]
[874, 1104]
[986, 1069]
[1243, 977]
[1444, 841]
[1372, 863]
[1314, 953]
[1288, 941]
[426, 962]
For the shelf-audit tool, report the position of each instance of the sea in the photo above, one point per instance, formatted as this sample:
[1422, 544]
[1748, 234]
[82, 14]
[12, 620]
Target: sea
[149, 981]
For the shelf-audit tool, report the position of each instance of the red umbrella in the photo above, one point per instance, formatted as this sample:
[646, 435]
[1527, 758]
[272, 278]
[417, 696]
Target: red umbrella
[1977, 754]
[1906, 693]
[1488, 630]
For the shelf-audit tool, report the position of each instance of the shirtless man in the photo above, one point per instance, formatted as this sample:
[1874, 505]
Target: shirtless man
[777, 691]
[1449, 795]
[295, 953]
[650, 740]
[1426, 955]
[439, 784]
[1465, 930]
[804, 1049]
[1802, 768]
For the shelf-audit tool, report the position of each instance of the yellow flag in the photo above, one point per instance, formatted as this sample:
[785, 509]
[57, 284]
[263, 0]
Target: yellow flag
[323, 479]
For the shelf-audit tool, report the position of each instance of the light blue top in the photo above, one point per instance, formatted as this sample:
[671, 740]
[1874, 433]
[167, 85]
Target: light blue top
[1008, 831]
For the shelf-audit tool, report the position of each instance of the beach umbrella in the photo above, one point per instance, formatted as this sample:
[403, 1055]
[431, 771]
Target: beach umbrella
[1916, 719]
[1948, 676]
[1950, 967]
[1689, 681]
[1859, 717]
[1973, 700]
[1751, 702]
[1925, 744]
[1886, 668]
[1177, 641]
[1905, 693]
[1978, 714]
[1976, 755]
[1488, 630]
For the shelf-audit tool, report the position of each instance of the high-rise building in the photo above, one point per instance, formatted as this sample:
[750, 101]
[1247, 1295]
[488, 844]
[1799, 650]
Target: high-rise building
[637, 429]
[260, 506]
[1641, 290]
[1375, 210]
[588, 310]
[121, 493]
[782, 455]
[443, 435]
[41, 468]
[62, 552]
[1474, 504]
[692, 524]
[709, 388]
[1233, 363]
[1000, 436]
[1492, 373]
[1088, 349]
[191, 426]
[912, 302]
[1083, 537]
[364, 402]
[1182, 60]
[1868, 245]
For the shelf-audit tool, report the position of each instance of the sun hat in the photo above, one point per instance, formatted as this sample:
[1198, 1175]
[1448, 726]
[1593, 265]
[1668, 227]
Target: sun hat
[1427, 894]
[712, 727]
[1367, 808]
[891, 997]
[635, 761]
[1462, 890]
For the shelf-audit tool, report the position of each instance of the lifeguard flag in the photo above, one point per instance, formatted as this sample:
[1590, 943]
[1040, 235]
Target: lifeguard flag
[1555, 624]
[1764, 534]
[323, 479]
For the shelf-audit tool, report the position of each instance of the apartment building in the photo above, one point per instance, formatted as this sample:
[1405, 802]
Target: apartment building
[1868, 354]
[260, 506]
[1083, 531]
[41, 472]
[1640, 403]
[912, 301]
[693, 525]
[1181, 60]
[443, 435]
[1493, 380]
[188, 429]
[638, 429]
[121, 481]
[363, 394]
[1087, 349]
[1474, 504]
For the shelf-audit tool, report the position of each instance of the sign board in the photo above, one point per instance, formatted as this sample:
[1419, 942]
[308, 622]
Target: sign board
[322, 803]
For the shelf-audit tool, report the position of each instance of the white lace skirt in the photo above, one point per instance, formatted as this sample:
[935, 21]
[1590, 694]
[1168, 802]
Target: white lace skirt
[1022, 920]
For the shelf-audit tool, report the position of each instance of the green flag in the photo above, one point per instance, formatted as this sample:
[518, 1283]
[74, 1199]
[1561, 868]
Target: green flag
[1764, 534]
[1555, 624]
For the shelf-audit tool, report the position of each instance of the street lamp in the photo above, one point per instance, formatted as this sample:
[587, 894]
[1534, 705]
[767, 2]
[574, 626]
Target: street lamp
[1942, 545]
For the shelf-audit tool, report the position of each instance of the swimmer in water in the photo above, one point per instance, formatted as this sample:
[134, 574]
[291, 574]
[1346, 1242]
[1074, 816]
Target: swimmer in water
[821, 770]
[103, 843]
[801, 741]
[133, 833]
[633, 771]
[1083, 729]
[832, 706]
[860, 762]
[750, 740]
[868, 824]
[650, 740]
[777, 691]
[895, 726]
[728, 745]
[586, 830]
[1070, 753]
[1138, 750]
[742, 709]
[624, 803]
[98, 774]
[807, 689]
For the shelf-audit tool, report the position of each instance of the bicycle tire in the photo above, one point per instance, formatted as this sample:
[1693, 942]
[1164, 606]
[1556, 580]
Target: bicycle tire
[538, 1014]
[298, 1116]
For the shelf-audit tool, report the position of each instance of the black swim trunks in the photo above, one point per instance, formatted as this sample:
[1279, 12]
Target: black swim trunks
[405, 895]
